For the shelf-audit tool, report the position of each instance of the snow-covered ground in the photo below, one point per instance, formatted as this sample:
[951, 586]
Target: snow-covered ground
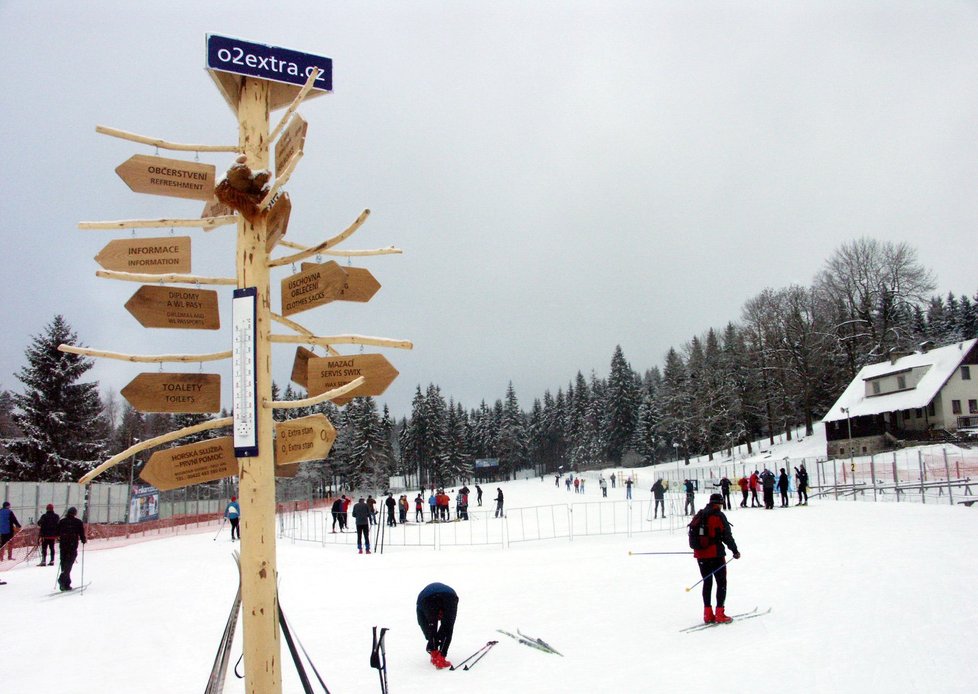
[864, 597]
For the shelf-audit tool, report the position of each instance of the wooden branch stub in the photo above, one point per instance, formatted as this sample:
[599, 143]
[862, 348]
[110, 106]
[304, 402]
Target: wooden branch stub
[163, 144]
[309, 252]
[164, 279]
[157, 223]
[343, 340]
[144, 358]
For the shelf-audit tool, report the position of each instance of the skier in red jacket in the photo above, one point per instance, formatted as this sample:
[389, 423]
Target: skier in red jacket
[711, 558]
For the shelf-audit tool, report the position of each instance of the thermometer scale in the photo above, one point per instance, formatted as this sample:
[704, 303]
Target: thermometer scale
[244, 388]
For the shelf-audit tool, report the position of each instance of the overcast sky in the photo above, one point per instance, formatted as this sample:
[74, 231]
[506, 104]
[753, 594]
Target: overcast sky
[562, 176]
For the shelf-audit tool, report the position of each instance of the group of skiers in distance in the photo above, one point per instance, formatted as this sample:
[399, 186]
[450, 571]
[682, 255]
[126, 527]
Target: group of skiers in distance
[764, 481]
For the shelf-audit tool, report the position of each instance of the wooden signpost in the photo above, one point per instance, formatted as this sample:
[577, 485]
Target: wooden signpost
[326, 373]
[303, 438]
[313, 287]
[360, 284]
[254, 79]
[192, 463]
[172, 307]
[173, 177]
[154, 256]
[293, 140]
[174, 392]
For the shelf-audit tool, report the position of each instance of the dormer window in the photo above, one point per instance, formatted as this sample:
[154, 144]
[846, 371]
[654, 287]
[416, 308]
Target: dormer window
[965, 373]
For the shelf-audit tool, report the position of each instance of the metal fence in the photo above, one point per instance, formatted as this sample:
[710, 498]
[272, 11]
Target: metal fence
[518, 525]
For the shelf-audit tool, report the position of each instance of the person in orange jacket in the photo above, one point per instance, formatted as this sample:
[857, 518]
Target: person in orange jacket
[755, 484]
[744, 488]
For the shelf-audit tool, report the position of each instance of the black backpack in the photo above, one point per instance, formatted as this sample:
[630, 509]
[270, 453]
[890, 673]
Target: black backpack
[699, 532]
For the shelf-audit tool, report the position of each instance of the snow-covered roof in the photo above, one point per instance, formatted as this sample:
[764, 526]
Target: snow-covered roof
[940, 364]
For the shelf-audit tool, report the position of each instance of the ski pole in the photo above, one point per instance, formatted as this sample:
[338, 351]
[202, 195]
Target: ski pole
[485, 650]
[456, 666]
[83, 568]
[631, 553]
[221, 528]
[708, 575]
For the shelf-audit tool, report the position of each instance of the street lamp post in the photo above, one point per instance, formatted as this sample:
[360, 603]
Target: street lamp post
[852, 462]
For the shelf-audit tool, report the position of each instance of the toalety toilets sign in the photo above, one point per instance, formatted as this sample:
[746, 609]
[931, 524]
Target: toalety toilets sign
[273, 63]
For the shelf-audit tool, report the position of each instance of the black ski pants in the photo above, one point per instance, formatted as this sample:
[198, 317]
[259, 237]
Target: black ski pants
[363, 536]
[660, 503]
[436, 617]
[706, 567]
[69, 552]
[235, 530]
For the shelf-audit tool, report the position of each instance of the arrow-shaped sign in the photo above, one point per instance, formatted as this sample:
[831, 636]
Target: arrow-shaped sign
[277, 220]
[310, 288]
[173, 177]
[326, 373]
[304, 438]
[174, 392]
[292, 140]
[360, 284]
[193, 463]
[171, 307]
[155, 256]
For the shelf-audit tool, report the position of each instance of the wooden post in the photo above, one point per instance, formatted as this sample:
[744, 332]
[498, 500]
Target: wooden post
[256, 491]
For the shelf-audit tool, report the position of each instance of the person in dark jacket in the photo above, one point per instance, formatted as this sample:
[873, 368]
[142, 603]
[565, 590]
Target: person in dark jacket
[48, 532]
[659, 494]
[478, 495]
[783, 488]
[9, 525]
[767, 481]
[437, 608]
[499, 502]
[724, 485]
[802, 476]
[391, 506]
[337, 510]
[361, 517]
[712, 558]
[71, 531]
[690, 507]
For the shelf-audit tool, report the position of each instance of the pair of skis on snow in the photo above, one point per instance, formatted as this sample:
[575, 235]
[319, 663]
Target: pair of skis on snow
[750, 614]
[532, 642]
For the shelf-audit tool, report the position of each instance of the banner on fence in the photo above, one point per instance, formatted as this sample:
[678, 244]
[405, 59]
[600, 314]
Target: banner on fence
[144, 504]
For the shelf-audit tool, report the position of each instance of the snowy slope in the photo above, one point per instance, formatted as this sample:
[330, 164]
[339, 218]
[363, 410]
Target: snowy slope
[864, 596]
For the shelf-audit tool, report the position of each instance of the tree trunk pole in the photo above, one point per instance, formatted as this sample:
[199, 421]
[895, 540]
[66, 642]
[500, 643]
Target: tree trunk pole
[262, 646]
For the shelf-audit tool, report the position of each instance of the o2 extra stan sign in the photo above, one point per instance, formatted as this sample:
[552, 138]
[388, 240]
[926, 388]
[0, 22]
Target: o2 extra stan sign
[267, 62]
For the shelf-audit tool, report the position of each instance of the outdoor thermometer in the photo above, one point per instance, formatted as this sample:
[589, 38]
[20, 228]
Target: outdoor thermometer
[244, 389]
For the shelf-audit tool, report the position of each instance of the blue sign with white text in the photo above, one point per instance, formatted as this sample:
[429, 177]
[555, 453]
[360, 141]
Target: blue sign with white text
[267, 62]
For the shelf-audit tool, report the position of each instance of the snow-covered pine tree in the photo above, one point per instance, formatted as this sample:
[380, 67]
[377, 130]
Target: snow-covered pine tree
[621, 405]
[511, 445]
[62, 430]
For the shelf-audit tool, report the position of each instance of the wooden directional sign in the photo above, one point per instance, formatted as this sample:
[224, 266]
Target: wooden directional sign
[154, 256]
[193, 463]
[326, 373]
[215, 208]
[305, 438]
[171, 307]
[278, 219]
[173, 177]
[311, 288]
[287, 470]
[292, 140]
[360, 285]
[300, 367]
[174, 392]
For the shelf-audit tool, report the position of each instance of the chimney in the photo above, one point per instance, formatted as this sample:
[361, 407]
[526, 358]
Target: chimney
[926, 346]
[895, 354]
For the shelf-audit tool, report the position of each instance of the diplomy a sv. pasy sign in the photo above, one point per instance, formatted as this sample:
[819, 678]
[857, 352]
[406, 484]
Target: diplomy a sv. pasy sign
[171, 307]
[192, 463]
